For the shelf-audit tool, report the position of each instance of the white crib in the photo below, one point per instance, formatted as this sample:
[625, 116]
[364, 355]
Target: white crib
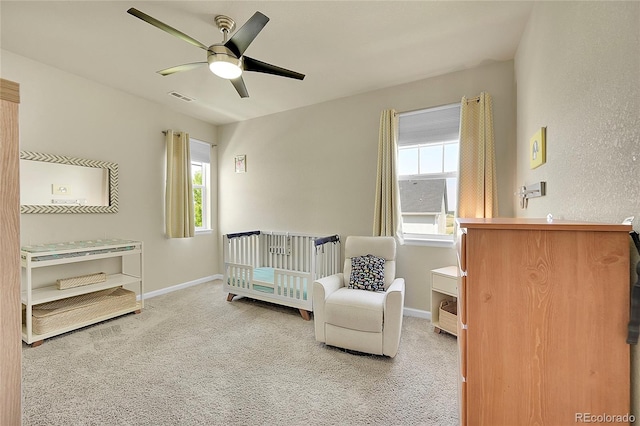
[278, 267]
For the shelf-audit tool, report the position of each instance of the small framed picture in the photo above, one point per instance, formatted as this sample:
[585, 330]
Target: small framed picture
[538, 148]
[241, 163]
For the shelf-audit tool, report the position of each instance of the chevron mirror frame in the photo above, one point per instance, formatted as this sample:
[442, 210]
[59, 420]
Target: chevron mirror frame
[111, 168]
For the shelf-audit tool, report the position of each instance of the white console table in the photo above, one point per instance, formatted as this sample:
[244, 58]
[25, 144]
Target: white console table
[47, 255]
[444, 286]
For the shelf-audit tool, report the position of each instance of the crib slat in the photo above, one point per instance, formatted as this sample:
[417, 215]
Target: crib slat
[235, 251]
[245, 250]
[293, 257]
[308, 249]
[254, 250]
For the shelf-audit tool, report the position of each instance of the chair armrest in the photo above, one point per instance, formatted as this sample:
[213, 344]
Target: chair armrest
[396, 286]
[328, 284]
[393, 310]
[322, 288]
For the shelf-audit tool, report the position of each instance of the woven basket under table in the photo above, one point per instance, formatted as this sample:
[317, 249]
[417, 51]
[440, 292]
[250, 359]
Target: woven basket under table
[62, 313]
[448, 316]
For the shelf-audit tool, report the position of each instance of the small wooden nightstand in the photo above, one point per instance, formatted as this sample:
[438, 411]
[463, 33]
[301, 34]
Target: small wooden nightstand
[444, 286]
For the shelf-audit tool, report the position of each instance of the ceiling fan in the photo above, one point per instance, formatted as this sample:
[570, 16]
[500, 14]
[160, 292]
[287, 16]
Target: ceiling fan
[226, 59]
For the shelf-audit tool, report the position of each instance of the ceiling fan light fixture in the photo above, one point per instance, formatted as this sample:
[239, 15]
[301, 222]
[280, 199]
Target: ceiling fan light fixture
[226, 59]
[225, 66]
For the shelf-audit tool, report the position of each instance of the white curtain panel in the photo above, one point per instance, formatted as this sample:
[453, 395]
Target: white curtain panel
[179, 215]
[387, 218]
[477, 194]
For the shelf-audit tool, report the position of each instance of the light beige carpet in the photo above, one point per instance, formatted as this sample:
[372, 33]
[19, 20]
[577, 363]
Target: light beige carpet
[191, 358]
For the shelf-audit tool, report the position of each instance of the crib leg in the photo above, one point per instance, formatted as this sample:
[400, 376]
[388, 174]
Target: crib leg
[305, 315]
[230, 297]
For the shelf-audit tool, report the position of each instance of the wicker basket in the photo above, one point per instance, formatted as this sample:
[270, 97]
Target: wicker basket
[62, 313]
[448, 316]
[71, 282]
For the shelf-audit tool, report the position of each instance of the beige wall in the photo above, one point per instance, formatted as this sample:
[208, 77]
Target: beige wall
[313, 169]
[578, 74]
[63, 114]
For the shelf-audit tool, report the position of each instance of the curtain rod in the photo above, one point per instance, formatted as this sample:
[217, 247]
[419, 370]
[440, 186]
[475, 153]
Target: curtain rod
[164, 132]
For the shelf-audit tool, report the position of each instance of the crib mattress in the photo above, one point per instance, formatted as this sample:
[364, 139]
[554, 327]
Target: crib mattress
[266, 275]
[58, 314]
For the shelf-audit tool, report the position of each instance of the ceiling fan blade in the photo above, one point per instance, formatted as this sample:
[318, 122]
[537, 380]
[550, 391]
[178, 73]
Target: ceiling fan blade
[250, 64]
[242, 38]
[238, 83]
[166, 28]
[183, 67]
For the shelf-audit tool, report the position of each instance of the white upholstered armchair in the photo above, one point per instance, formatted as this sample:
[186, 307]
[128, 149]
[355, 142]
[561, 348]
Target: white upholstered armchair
[360, 319]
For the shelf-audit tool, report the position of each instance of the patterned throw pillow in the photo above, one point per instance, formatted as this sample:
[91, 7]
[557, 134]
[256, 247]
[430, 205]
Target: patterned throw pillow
[367, 273]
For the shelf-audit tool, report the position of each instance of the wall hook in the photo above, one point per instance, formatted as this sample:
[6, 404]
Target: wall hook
[531, 191]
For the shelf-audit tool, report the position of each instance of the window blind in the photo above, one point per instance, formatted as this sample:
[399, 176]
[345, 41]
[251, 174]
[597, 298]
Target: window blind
[200, 151]
[431, 125]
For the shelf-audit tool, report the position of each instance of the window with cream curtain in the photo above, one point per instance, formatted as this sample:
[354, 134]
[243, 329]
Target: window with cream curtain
[201, 179]
[179, 208]
[428, 142]
[387, 220]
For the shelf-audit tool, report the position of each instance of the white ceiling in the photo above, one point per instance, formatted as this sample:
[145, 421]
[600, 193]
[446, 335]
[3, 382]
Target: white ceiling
[343, 47]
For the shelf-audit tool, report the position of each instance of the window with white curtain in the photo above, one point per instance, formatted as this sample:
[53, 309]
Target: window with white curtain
[201, 176]
[428, 145]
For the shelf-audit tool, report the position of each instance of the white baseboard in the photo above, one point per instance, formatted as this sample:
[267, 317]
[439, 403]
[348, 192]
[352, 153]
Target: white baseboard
[410, 312]
[181, 286]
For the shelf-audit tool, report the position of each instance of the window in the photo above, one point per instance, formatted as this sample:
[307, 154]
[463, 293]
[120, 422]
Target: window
[201, 179]
[428, 145]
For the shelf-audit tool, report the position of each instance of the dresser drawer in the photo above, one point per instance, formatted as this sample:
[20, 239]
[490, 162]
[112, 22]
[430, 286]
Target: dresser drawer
[444, 284]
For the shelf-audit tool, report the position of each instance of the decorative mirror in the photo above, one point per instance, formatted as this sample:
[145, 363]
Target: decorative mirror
[59, 184]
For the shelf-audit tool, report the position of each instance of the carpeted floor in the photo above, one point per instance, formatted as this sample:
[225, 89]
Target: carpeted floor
[191, 358]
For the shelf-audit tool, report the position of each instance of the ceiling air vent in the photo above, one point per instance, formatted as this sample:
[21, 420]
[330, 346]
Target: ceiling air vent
[181, 96]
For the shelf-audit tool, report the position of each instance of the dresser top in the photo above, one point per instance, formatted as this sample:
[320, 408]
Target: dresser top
[539, 224]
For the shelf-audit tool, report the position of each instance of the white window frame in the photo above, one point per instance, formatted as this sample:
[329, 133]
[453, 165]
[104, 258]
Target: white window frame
[206, 191]
[438, 240]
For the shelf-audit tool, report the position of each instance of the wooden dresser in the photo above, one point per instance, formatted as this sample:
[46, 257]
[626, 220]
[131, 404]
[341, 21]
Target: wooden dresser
[10, 346]
[543, 310]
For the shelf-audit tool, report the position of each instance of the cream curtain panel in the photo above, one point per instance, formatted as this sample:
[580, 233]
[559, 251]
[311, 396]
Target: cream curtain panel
[179, 216]
[387, 218]
[477, 194]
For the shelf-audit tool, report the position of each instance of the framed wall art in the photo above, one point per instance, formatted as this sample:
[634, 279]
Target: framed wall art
[241, 163]
[538, 148]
